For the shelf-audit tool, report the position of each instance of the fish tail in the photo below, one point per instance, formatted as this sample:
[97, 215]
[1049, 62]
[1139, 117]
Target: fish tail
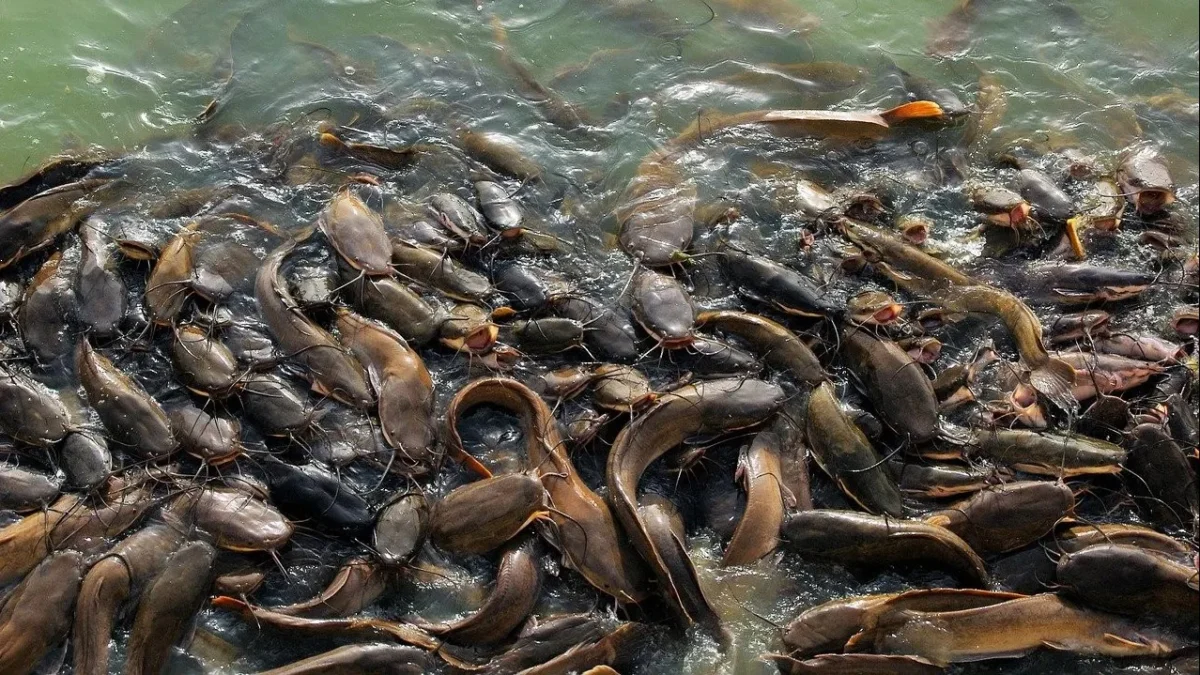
[226, 602]
[499, 33]
[1054, 379]
[912, 111]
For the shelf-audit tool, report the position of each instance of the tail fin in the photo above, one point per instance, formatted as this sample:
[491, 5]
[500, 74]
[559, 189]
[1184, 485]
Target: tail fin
[499, 32]
[226, 602]
[913, 111]
[1054, 380]
[470, 463]
[1072, 231]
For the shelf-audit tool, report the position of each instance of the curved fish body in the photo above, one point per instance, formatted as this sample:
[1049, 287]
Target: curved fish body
[357, 584]
[402, 386]
[332, 369]
[1050, 375]
[518, 584]
[111, 582]
[760, 474]
[583, 525]
[779, 347]
[167, 608]
[712, 406]
[860, 539]
[664, 525]
[354, 627]
[844, 453]
[36, 614]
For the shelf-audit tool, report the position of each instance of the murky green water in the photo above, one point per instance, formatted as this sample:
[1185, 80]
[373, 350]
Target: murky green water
[123, 74]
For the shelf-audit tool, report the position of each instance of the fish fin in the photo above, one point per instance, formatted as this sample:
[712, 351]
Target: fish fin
[1054, 379]
[303, 233]
[912, 111]
[469, 462]
[1072, 228]
[226, 602]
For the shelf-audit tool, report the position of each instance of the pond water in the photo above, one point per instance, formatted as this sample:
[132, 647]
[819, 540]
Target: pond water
[134, 77]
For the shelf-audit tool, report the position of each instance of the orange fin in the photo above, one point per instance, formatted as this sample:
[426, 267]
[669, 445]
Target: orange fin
[912, 111]
[467, 460]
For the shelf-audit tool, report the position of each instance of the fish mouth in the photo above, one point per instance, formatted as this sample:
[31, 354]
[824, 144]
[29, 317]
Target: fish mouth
[1015, 216]
[878, 317]
[1152, 200]
[677, 342]
[926, 353]
[478, 341]
[1105, 223]
[1187, 326]
[916, 234]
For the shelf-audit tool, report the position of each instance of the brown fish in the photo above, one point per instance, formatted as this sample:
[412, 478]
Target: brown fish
[331, 368]
[36, 614]
[584, 527]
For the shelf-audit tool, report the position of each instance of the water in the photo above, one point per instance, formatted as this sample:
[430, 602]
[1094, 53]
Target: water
[132, 77]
